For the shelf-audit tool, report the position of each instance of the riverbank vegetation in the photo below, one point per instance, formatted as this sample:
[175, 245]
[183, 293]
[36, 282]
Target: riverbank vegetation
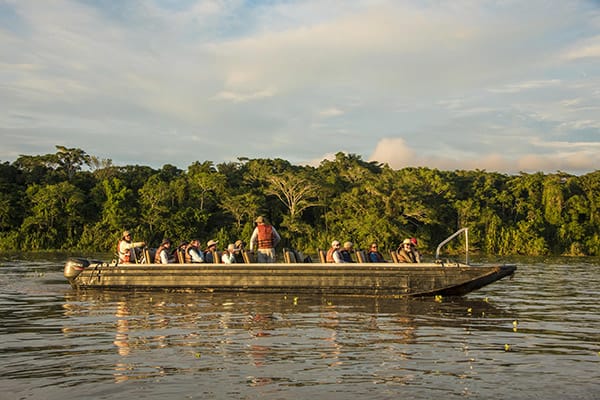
[73, 201]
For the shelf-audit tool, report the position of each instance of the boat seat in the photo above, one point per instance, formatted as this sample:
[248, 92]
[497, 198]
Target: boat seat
[147, 259]
[361, 256]
[322, 256]
[289, 256]
[394, 256]
[217, 257]
[180, 256]
[248, 256]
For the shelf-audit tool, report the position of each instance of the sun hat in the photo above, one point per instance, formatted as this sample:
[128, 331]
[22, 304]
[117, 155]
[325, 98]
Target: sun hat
[211, 243]
[260, 220]
[126, 233]
[165, 241]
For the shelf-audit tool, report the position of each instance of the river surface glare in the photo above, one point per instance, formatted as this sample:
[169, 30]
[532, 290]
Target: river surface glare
[536, 336]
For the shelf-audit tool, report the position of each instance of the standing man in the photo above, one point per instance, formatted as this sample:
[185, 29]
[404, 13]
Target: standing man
[126, 248]
[264, 239]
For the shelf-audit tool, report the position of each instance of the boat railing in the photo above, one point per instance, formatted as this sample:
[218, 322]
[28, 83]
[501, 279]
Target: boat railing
[455, 234]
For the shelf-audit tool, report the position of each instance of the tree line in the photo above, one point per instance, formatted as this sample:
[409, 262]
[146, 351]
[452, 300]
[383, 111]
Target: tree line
[70, 200]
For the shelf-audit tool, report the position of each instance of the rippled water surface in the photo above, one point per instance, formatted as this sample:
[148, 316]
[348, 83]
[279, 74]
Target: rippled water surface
[536, 336]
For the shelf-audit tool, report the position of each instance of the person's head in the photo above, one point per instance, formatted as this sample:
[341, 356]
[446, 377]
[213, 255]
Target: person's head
[261, 220]
[166, 242]
[195, 243]
[126, 235]
[211, 245]
[374, 247]
[231, 247]
[406, 244]
[348, 245]
[240, 244]
[335, 244]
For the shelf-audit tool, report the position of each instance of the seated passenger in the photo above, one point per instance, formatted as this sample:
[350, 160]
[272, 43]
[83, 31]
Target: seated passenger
[347, 251]
[163, 254]
[240, 246]
[415, 251]
[405, 253]
[374, 254]
[333, 254]
[193, 253]
[228, 256]
[208, 253]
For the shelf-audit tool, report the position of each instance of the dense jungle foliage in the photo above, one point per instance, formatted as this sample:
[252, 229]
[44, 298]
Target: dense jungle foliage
[73, 201]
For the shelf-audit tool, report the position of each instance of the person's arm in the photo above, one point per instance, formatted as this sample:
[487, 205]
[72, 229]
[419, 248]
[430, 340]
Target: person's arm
[128, 246]
[164, 258]
[196, 256]
[254, 239]
[276, 237]
[337, 257]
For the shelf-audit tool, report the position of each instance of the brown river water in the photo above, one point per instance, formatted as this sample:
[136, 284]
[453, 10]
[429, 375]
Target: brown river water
[536, 336]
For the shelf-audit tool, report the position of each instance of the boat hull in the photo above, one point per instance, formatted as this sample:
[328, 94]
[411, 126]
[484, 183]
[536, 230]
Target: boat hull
[371, 279]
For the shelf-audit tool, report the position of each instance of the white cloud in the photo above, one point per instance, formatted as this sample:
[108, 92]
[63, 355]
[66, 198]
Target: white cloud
[331, 112]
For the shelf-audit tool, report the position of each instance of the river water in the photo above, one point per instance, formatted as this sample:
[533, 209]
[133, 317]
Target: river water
[536, 336]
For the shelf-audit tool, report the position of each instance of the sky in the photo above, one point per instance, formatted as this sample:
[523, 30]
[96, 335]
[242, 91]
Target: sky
[506, 86]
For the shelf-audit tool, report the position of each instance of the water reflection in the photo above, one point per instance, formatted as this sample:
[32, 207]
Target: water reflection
[264, 329]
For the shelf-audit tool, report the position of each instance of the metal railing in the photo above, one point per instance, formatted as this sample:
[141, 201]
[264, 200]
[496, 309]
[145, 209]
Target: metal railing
[455, 234]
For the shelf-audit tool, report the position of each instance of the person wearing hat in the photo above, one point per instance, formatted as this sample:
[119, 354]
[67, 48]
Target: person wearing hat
[415, 251]
[333, 254]
[193, 253]
[240, 245]
[163, 254]
[211, 248]
[264, 239]
[347, 251]
[126, 248]
[405, 252]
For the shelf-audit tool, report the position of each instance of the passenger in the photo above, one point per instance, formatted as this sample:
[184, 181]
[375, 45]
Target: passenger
[126, 248]
[163, 255]
[193, 253]
[415, 251]
[374, 255]
[240, 246]
[228, 256]
[264, 238]
[405, 253]
[208, 253]
[333, 254]
[180, 250]
[347, 251]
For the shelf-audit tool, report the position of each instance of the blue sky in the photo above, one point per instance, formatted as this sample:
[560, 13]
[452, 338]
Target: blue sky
[502, 86]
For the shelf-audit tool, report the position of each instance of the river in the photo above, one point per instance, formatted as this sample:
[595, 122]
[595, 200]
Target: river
[535, 336]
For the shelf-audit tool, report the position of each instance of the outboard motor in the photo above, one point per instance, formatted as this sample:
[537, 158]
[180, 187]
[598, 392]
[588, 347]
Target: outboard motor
[74, 266]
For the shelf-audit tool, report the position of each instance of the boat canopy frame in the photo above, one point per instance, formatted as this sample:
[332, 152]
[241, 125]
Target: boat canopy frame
[449, 238]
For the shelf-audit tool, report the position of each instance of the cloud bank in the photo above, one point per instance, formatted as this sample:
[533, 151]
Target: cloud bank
[503, 86]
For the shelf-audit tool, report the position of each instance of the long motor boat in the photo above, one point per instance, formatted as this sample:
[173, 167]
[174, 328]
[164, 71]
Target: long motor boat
[387, 279]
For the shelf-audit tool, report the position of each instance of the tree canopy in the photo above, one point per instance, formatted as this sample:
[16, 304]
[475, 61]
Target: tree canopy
[73, 201]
